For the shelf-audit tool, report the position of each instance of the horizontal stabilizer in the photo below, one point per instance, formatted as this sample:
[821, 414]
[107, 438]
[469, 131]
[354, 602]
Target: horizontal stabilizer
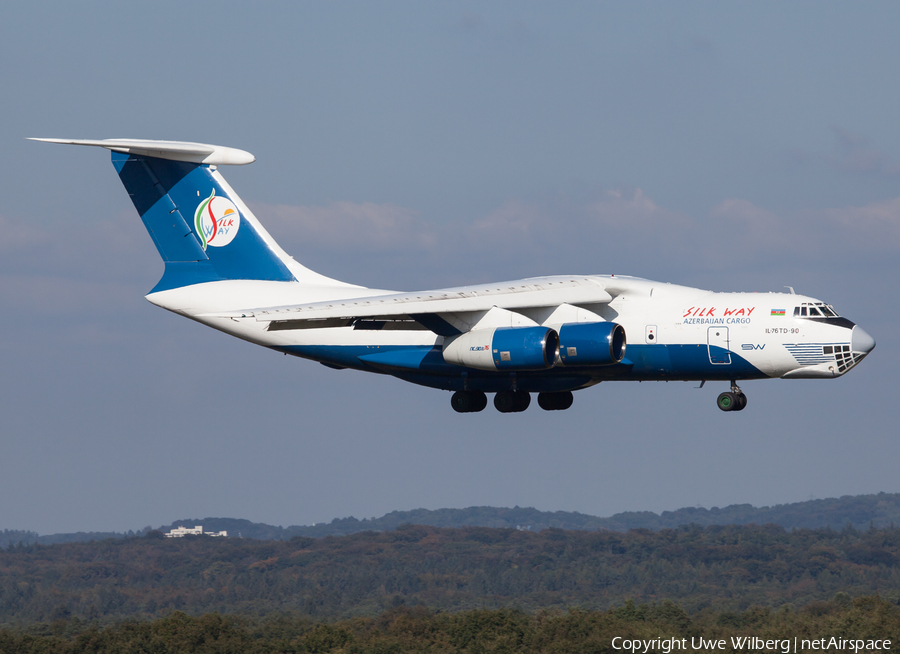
[199, 153]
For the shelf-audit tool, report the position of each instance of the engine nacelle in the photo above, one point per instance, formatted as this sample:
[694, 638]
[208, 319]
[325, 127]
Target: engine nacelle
[591, 343]
[504, 348]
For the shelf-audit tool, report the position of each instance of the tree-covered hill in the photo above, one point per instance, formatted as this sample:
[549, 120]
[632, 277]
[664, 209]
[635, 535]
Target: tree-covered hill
[722, 568]
[882, 510]
[860, 511]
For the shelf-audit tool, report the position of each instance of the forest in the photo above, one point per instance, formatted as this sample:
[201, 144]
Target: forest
[717, 568]
[405, 629]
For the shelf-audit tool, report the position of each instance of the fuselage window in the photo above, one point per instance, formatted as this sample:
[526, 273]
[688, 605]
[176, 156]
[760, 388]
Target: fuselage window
[814, 312]
[802, 311]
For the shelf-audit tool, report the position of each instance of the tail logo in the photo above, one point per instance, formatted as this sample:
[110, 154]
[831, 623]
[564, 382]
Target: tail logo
[217, 221]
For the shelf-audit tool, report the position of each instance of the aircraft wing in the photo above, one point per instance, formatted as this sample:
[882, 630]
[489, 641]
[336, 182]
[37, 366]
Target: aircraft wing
[428, 307]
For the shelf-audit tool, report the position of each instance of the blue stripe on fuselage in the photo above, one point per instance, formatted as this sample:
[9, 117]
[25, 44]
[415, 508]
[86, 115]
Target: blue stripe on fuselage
[425, 365]
[684, 362]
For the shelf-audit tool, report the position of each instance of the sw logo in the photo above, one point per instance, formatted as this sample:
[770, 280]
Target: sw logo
[217, 221]
[748, 346]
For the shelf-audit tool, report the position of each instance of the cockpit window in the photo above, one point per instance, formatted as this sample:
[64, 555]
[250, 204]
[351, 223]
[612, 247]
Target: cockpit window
[815, 310]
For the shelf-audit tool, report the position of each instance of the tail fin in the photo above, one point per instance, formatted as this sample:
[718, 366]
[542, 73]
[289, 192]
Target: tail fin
[201, 228]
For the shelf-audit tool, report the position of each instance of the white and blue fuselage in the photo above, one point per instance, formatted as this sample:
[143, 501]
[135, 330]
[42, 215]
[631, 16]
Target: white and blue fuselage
[546, 335]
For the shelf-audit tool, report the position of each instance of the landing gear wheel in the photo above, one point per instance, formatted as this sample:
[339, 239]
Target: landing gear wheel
[511, 401]
[733, 401]
[727, 401]
[555, 401]
[523, 400]
[468, 401]
[505, 401]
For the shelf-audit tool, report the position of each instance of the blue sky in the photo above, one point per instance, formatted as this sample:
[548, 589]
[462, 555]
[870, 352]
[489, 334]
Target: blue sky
[406, 145]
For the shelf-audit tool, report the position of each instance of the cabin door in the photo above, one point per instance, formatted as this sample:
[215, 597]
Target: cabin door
[717, 345]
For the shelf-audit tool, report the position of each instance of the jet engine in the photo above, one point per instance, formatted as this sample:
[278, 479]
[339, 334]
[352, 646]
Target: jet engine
[504, 348]
[591, 343]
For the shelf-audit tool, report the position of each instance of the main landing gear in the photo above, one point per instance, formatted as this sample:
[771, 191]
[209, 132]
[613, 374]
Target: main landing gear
[733, 401]
[468, 401]
[555, 401]
[509, 401]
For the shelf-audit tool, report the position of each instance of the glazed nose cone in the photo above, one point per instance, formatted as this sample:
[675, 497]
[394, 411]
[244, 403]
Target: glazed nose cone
[860, 341]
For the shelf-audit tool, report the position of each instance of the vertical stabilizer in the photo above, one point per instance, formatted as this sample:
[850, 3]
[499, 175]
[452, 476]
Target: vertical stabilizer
[201, 228]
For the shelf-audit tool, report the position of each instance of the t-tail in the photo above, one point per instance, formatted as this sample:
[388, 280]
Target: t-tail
[201, 228]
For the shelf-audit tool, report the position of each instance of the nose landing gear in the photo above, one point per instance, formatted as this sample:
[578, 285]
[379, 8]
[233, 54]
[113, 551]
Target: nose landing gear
[732, 401]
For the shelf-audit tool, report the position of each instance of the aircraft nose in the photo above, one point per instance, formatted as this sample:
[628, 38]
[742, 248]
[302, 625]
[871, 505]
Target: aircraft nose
[860, 341]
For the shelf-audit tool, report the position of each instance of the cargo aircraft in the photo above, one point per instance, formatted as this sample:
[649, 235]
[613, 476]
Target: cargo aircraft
[545, 335]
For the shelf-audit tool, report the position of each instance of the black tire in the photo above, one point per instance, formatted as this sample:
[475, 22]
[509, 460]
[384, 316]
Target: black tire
[468, 401]
[461, 402]
[505, 401]
[726, 401]
[523, 400]
[741, 402]
[555, 401]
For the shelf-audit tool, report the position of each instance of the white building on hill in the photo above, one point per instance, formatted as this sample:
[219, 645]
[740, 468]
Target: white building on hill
[181, 532]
